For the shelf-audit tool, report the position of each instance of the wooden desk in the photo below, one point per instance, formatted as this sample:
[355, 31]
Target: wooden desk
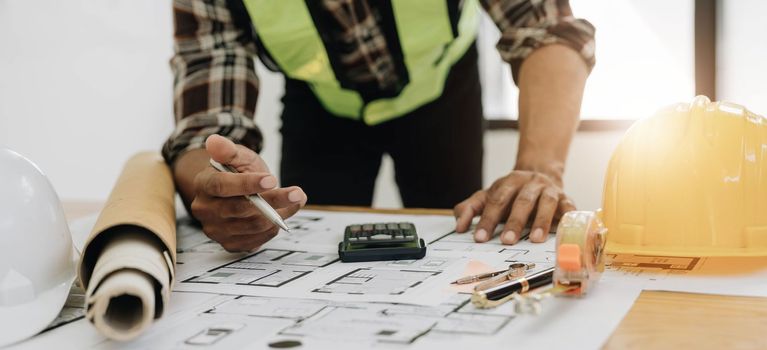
[658, 320]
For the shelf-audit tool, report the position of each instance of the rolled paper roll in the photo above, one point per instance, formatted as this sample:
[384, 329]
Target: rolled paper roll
[128, 263]
[124, 305]
[129, 275]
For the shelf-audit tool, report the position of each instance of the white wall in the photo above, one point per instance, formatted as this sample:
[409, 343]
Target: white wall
[82, 87]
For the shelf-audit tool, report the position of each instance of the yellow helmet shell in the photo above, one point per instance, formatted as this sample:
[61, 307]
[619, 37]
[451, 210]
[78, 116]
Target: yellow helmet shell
[690, 181]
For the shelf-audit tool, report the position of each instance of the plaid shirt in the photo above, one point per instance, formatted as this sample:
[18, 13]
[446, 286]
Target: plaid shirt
[216, 87]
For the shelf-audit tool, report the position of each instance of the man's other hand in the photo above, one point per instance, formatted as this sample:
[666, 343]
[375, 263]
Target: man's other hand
[517, 198]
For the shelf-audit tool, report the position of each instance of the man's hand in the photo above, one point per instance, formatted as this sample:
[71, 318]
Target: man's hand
[551, 84]
[217, 198]
[516, 199]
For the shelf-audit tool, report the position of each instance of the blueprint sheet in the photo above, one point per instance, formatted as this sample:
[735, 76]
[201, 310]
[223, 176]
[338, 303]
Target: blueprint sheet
[738, 276]
[293, 292]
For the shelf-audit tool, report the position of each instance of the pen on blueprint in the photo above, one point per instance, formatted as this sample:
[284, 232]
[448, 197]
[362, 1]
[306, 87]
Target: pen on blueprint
[258, 201]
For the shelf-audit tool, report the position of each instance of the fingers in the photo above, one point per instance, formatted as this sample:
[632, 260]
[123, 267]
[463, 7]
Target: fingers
[240, 207]
[524, 204]
[496, 209]
[234, 208]
[244, 227]
[227, 216]
[565, 204]
[518, 198]
[246, 233]
[289, 211]
[225, 151]
[465, 211]
[236, 224]
[240, 157]
[217, 184]
[547, 207]
[284, 197]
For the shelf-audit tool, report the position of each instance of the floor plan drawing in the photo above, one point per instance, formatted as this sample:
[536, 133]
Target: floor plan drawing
[266, 268]
[387, 277]
[236, 321]
[652, 269]
[190, 239]
[361, 323]
[275, 272]
[711, 275]
[307, 229]
[528, 255]
[429, 263]
[376, 281]
[626, 261]
[287, 308]
[303, 229]
[291, 294]
[464, 242]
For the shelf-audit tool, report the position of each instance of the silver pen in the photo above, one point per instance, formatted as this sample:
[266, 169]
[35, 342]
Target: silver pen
[256, 199]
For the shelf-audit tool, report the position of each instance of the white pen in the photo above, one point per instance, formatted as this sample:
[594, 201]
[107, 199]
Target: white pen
[256, 199]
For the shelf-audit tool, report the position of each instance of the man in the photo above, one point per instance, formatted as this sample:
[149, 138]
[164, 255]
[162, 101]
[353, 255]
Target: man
[364, 78]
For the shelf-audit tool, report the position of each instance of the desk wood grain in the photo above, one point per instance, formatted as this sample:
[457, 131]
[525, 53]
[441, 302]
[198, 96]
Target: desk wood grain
[658, 320]
[669, 320]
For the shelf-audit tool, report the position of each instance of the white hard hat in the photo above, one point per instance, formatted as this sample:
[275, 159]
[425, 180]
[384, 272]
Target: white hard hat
[37, 264]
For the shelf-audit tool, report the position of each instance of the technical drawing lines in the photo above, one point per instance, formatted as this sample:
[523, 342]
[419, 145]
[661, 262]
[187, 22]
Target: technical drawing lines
[364, 281]
[266, 268]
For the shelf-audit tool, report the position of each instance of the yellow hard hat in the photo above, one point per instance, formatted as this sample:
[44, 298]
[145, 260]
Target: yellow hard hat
[690, 181]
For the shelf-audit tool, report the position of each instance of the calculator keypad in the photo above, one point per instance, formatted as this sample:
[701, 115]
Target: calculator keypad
[381, 233]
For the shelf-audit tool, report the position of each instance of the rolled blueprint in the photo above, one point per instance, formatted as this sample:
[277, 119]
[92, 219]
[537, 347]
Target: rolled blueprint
[128, 263]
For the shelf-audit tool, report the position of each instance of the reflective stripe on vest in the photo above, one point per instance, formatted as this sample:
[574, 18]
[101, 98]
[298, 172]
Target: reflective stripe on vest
[286, 30]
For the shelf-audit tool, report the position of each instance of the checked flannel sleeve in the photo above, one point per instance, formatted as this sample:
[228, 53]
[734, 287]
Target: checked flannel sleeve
[215, 82]
[526, 25]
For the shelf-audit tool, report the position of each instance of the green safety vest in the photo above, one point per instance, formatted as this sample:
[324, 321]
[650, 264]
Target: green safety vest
[429, 48]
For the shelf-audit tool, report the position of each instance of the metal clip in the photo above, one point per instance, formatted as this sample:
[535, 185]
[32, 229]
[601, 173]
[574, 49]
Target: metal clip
[516, 270]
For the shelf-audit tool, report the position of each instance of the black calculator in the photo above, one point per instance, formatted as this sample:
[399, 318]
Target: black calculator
[381, 241]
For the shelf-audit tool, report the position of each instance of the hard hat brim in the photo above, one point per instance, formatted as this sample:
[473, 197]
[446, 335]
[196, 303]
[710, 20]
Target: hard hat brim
[32, 317]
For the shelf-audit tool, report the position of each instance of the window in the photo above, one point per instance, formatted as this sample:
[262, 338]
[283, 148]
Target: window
[645, 60]
[741, 54]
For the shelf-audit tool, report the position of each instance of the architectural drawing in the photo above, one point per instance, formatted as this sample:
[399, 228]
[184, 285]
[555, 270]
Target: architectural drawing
[538, 256]
[266, 268]
[319, 320]
[464, 242]
[292, 294]
[307, 229]
[523, 251]
[190, 239]
[365, 281]
[627, 261]
[303, 229]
